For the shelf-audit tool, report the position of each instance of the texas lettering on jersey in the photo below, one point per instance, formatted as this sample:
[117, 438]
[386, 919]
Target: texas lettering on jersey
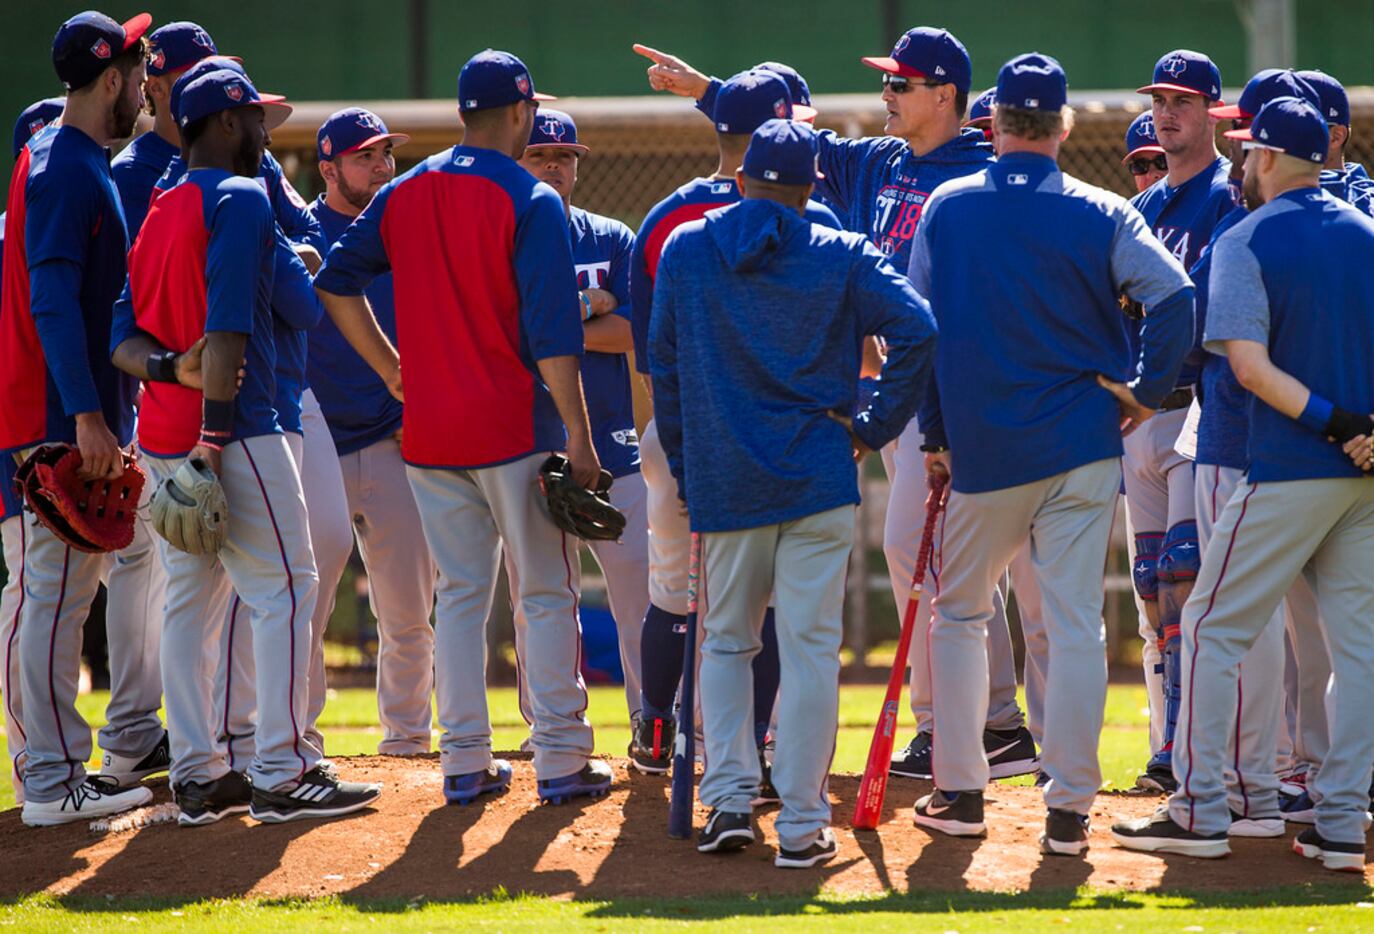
[1176, 241]
[897, 209]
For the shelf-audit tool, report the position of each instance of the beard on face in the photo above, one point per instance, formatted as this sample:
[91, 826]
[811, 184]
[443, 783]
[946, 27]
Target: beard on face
[1250, 191]
[248, 155]
[125, 115]
[359, 198]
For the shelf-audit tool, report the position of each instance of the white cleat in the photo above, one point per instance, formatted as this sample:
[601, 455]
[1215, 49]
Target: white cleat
[95, 797]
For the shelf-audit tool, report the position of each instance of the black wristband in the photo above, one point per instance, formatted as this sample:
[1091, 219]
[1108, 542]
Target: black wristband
[162, 366]
[1343, 425]
[218, 419]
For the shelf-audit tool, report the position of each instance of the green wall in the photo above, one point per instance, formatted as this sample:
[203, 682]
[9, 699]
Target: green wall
[349, 49]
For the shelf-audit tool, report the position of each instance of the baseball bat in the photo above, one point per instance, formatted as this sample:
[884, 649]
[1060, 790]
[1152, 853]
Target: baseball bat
[685, 744]
[873, 788]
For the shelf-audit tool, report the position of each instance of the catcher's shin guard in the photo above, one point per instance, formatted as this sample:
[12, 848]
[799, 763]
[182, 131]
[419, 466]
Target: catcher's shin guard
[1179, 562]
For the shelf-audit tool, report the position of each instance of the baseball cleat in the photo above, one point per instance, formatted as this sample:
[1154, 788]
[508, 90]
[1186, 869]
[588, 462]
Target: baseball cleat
[823, 848]
[1066, 833]
[465, 789]
[957, 813]
[1010, 752]
[1159, 774]
[315, 794]
[592, 781]
[1159, 834]
[725, 832]
[651, 744]
[206, 802]
[126, 771]
[97, 796]
[1299, 809]
[767, 794]
[1293, 782]
[1241, 826]
[1339, 857]
[914, 760]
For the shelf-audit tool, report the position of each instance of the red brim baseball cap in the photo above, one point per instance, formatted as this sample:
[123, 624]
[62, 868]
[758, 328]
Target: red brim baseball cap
[575, 147]
[1243, 135]
[136, 27]
[399, 139]
[536, 96]
[1228, 112]
[893, 67]
[275, 108]
[1143, 151]
[804, 113]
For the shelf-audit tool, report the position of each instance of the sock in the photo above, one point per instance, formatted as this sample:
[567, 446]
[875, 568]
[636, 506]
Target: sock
[767, 674]
[660, 657]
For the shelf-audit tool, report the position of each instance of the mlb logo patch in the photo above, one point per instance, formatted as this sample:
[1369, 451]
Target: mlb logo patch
[522, 83]
[101, 49]
[770, 175]
[234, 92]
[327, 146]
[1017, 179]
[470, 104]
[464, 162]
[1032, 102]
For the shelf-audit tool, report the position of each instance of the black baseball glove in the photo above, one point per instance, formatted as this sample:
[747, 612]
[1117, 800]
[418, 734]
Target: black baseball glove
[585, 513]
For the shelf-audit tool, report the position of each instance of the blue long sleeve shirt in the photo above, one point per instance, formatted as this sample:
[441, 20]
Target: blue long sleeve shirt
[757, 330]
[1030, 317]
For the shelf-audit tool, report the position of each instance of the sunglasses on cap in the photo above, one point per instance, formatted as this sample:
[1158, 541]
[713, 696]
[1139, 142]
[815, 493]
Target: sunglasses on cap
[1142, 166]
[900, 84]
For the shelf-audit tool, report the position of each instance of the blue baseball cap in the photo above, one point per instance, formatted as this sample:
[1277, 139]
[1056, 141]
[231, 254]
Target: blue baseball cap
[783, 152]
[1335, 105]
[1141, 139]
[86, 44]
[495, 79]
[1033, 82]
[1264, 87]
[796, 86]
[349, 130]
[33, 118]
[749, 100]
[176, 46]
[1289, 125]
[204, 67]
[930, 53]
[1187, 72]
[226, 89]
[555, 128]
[980, 111]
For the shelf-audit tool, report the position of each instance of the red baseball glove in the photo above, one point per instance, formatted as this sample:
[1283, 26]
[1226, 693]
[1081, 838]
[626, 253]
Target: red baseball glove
[90, 515]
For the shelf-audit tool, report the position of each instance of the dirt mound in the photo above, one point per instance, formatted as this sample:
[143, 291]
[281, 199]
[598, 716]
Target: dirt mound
[617, 846]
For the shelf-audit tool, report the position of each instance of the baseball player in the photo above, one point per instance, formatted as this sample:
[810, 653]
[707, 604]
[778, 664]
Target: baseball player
[602, 250]
[354, 150]
[492, 375]
[172, 49]
[742, 105]
[63, 268]
[980, 112]
[213, 235]
[1287, 285]
[1144, 157]
[1347, 181]
[1182, 208]
[33, 118]
[1220, 458]
[1052, 470]
[733, 417]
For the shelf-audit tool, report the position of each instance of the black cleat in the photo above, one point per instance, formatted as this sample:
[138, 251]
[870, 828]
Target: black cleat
[914, 760]
[315, 794]
[1066, 833]
[1159, 834]
[206, 802]
[1010, 752]
[824, 847]
[957, 813]
[767, 794]
[1341, 857]
[725, 832]
[651, 744]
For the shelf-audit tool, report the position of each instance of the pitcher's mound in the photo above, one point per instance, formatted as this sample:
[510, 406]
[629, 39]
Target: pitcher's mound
[411, 845]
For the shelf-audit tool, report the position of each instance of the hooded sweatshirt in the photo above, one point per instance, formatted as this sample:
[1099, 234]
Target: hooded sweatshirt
[758, 323]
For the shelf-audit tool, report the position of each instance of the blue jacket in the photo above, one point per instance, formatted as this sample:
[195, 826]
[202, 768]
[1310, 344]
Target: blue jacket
[1030, 317]
[757, 330]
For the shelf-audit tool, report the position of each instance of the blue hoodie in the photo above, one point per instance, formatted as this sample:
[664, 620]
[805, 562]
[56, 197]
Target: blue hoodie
[757, 331]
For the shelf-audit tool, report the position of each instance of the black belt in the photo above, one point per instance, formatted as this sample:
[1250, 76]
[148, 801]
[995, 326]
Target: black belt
[1178, 399]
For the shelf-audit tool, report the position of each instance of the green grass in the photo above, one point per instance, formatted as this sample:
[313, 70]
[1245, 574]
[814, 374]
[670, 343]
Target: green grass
[349, 724]
[1289, 909]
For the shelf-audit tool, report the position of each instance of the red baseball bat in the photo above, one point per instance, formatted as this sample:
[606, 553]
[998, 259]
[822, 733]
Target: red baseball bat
[869, 807]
